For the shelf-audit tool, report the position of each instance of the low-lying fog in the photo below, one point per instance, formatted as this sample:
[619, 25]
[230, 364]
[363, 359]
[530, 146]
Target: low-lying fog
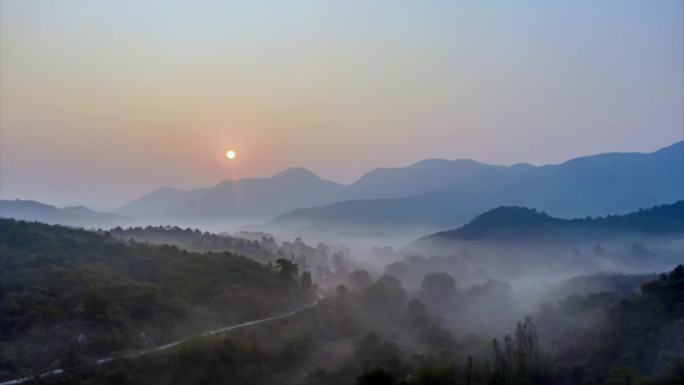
[496, 284]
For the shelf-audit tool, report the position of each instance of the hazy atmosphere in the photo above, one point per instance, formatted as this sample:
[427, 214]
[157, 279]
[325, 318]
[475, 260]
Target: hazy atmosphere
[103, 101]
[341, 192]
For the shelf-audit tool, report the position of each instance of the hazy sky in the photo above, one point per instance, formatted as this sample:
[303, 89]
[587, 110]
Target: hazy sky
[102, 101]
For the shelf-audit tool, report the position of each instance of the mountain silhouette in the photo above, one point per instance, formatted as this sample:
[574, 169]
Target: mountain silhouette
[29, 210]
[298, 187]
[588, 186]
[245, 198]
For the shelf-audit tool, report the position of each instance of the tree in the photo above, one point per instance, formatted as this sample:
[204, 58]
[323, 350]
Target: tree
[435, 373]
[360, 279]
[417, 313]
[375, 376]
[527, 349]
[287, 268]
[96, 304]
[439, 284]
[305, 281]
[386, 292]
[470, 371]
[342, 291]
[372, 351]
[623, 376]
[500, 370]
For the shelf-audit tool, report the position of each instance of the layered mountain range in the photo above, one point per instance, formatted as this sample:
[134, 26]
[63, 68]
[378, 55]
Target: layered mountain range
[29, 210]
[595, 185]
[433, 194]
[295, 188]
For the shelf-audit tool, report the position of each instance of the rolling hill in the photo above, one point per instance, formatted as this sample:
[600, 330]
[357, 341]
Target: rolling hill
[69, 296]
[524, 224]
[510, 241]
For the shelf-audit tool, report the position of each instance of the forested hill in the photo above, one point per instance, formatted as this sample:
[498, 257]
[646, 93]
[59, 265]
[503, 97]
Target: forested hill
[263, 249]
[641, 333]
[520, 223]
[75, 295]
[196, 240]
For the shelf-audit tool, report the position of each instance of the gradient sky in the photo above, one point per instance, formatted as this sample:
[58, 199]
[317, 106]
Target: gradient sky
[102, 101]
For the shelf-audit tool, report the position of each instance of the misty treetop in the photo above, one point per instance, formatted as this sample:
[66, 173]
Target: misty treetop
[261, 247]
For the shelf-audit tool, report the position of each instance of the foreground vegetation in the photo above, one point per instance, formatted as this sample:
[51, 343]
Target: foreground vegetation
[376, 333]
[69, 296]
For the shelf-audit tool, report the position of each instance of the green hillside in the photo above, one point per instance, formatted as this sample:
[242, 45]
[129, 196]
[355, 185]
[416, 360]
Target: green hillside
[74, 295]
[523, 224]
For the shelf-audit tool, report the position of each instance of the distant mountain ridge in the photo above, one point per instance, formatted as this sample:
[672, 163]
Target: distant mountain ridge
[295, 188]
[256, 198]
[421, 177]
[30, 210]
[587, 186]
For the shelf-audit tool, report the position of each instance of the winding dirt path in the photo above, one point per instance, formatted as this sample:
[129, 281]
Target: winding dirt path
[169, 345]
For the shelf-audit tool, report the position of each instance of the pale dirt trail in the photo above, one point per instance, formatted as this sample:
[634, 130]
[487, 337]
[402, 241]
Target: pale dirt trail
[169, 345]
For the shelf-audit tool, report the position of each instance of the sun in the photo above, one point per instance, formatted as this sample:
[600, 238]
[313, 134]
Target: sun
[230, 154]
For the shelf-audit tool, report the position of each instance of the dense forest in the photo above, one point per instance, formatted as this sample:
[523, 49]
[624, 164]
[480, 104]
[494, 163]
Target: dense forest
[260, 247]
[196, 240]
[393, 192]
[69, 296]
[376, 333]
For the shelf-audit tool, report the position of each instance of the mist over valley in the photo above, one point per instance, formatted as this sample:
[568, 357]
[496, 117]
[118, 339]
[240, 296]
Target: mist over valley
[341, 193]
